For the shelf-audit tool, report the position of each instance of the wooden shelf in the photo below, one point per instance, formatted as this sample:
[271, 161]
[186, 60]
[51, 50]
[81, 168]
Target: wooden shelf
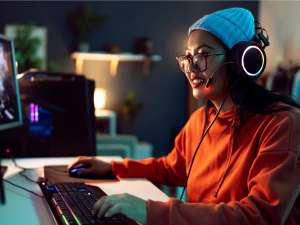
[114, 59]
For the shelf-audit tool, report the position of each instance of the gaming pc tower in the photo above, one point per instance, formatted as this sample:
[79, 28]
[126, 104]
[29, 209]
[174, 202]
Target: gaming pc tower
[58, 112]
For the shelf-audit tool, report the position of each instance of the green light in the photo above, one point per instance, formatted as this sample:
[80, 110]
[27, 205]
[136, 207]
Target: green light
[77, 220]
[65, 220]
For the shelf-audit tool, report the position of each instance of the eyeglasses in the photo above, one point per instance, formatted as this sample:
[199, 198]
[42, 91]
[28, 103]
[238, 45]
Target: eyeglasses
[198, 61]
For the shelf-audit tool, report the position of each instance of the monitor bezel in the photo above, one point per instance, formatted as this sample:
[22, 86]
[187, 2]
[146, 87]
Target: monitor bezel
[19, 122]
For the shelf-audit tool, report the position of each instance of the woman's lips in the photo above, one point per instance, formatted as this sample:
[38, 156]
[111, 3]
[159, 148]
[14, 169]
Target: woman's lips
[196, 80]
[197, 83]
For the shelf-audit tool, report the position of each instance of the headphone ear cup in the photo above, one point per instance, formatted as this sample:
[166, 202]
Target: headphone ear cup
[249, 59]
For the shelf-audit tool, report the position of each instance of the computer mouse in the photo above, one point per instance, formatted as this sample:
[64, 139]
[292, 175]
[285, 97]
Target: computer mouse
[75, 171]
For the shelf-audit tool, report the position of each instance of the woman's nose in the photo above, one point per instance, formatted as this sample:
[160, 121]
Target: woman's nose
[192, 67]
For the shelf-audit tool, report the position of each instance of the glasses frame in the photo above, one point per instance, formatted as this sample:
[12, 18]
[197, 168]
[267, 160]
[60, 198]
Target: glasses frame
[193, 62]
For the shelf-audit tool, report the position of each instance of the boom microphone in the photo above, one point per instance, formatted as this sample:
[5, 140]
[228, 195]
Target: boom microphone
[210, 79]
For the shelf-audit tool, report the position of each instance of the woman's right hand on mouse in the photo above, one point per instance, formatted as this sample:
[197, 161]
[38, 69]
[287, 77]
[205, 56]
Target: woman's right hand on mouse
[94, 166]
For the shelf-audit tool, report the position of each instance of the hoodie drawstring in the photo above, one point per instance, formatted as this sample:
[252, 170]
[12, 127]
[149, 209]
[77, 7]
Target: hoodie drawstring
[234, 127]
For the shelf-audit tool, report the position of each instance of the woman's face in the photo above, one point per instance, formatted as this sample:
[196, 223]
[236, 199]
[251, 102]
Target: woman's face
[204, 43]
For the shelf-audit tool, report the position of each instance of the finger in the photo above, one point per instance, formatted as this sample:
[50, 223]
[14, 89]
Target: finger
[98, 205]
[75, 162]
[104, 208]
[114, 209]
[79, 160]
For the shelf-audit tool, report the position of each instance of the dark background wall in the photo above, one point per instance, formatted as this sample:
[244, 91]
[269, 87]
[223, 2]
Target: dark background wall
[163, 92]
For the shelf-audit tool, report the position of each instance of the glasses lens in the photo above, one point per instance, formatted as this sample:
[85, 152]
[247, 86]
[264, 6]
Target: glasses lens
[183, 63]
[200, 61]
[196, 62]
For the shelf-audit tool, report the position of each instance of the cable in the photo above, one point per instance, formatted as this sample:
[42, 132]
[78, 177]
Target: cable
[197, 148]
[22, 173]
[25, 189]
[8, 152]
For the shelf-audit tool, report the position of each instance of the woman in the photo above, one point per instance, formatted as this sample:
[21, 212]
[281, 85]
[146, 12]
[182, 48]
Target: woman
[237, 156]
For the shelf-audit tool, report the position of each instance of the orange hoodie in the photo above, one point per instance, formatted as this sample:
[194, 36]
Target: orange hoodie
[242, 174]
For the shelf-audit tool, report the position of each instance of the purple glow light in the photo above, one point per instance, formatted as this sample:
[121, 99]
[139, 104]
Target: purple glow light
[31, 109]
[34, 113]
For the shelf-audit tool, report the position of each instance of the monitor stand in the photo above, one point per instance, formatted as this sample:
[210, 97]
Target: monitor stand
[2, 195]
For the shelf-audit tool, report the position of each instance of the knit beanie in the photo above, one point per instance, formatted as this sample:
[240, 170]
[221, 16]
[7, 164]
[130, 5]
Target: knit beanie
[230, 25]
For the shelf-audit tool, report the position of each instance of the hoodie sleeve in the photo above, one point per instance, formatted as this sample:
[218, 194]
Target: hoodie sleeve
[165, 170]
[273, 183]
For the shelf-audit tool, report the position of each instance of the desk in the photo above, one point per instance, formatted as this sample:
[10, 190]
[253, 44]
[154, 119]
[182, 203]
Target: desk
[23, 208]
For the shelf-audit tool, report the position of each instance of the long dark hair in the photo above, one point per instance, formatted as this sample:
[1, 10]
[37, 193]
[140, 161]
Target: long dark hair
[252, 97]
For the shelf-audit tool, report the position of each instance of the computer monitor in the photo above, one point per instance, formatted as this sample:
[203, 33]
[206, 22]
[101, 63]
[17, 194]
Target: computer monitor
[10, 108]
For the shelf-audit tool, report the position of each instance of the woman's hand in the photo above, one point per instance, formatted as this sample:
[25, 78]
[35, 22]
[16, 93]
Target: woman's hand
[95, 166]
[133, 207]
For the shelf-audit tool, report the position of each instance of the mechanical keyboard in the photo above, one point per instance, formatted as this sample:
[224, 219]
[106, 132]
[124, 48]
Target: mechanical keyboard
[71, 204]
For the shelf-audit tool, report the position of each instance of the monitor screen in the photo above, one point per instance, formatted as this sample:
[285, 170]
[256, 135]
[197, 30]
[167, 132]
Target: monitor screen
[10, 110]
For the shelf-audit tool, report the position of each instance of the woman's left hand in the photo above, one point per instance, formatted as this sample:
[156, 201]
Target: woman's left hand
[133, 207]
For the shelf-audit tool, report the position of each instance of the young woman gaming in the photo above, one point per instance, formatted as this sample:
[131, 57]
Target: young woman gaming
[238, 156]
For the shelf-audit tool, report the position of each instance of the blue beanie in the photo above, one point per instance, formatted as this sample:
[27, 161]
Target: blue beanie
[230, 25]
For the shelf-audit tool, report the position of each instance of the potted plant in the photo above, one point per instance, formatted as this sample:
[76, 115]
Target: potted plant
[83, 21]
[27, 45]
[130, 106]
